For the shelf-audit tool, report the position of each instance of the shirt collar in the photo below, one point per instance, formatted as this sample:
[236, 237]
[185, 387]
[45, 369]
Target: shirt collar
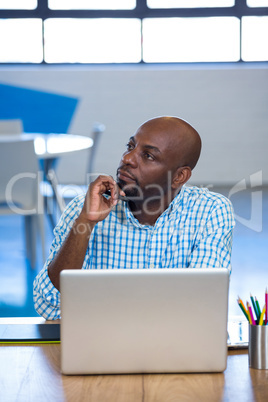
[175, 203]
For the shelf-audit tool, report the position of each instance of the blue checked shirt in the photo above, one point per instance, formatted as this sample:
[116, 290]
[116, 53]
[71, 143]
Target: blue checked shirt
[194, 231]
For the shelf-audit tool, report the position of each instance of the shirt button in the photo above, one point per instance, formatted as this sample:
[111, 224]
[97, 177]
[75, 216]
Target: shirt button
[152, 266]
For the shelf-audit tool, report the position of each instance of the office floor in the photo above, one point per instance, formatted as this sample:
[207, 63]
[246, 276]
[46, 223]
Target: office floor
[249, 261]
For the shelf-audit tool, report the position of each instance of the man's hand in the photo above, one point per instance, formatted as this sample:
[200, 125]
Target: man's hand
[97, 206]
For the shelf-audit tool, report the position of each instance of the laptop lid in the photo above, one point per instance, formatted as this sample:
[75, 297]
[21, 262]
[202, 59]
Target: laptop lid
[144, 321]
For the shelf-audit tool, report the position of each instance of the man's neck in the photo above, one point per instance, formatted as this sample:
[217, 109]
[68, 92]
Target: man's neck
[147, 213]
[145, 218]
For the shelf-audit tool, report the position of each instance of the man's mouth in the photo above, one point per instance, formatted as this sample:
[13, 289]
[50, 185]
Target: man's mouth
[125, 176]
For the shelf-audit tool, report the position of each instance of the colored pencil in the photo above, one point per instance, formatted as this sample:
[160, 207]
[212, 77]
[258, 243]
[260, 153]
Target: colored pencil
[249, 317]
[251, 314]
[258, 308]
[240, 301]
[241, 305]
[262, 315]
[254, 306]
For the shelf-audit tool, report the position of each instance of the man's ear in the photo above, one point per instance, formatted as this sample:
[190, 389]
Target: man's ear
[181, 176]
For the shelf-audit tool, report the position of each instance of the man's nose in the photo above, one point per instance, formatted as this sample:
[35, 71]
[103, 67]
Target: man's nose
[130, 158]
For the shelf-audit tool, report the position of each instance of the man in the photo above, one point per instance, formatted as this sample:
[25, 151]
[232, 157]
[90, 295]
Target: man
[164, 224]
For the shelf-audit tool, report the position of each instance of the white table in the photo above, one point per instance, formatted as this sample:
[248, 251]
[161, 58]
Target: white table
[52, 146]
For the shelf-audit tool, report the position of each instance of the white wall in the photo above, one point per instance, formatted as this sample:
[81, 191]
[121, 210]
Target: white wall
[228, 105]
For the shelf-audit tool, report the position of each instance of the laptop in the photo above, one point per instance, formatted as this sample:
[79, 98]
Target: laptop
[144, 321]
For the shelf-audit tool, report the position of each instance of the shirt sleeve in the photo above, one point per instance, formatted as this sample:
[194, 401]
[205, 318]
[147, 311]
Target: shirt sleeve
[213, 247]
[46, 297]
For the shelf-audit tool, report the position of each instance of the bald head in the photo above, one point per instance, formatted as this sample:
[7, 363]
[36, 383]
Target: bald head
[182, 140]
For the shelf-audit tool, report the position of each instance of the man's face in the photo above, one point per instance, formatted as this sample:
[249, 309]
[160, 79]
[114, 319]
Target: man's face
[147, 166]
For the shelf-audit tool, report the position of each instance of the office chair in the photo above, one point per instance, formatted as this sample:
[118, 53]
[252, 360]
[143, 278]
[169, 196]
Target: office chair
[20, 192]
[11, 126]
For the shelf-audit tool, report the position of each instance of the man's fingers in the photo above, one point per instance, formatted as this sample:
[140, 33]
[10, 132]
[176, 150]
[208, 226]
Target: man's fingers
[106, 187]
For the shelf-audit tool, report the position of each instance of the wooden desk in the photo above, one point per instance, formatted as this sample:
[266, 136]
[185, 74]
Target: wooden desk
[32, 373]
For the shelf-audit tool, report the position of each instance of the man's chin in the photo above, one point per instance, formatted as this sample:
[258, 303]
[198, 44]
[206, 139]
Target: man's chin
[130, 190]
[120, 183]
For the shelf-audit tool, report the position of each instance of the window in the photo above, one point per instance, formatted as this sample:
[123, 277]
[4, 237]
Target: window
[257, 3]
[133, 31]
[103, 40]
[23, 40]
[191, 39]
[254, 38]
[91, 4]
[189, 3]
[18, 4]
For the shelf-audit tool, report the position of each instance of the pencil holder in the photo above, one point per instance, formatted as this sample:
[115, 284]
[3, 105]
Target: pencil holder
[258, 346]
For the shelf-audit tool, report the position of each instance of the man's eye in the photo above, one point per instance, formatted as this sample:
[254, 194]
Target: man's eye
[148, 156]
[129, 146]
